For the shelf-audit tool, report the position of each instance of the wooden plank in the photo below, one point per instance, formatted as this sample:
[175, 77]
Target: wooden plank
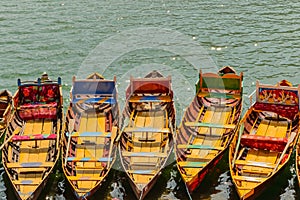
[33, 137]
[255, 164]
[143, 154]
[136, 99]
[88, 159]
[142, 172]
[90, 134]
[218, 95]
[249, 179]
[84, 178]
[190, 164]
[29, 164]
[198, 146]
[210, 125]
[147, 129]
[26, 182]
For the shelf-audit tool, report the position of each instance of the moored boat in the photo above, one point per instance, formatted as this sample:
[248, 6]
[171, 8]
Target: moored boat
[208, 125]
[297, 166]
[5, 110]
[31, 147]
[88, 145]
[264, 142]
[148, 122]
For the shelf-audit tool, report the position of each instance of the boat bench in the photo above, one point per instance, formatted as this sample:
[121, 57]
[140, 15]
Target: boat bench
[29, 164]
[249, 179]
[26, 182]
[137, 99]
[143, 154]
[94, 100]
[144, 172]
[147, 129]
[264, 142]
[38, 111]
[90, 134]
[218, 95]
[198, 146]
[210, 125]
[88, 159]
[85, 178]
[17, 138]
[255, 164]
[191, 164]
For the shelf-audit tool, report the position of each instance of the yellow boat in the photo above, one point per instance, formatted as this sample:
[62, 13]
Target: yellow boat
[31, 147]
[88, 145]
[208, 125]
[297, 161]
[264, 142]
[5, 110]
[147, 130]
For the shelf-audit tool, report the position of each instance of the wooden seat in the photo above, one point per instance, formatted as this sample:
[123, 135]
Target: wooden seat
[210, 125]
[88, 159]
[143, 154]
[249, 179]
[26, 182]
[198, 146]
[29, 164]
[146, 172]
[147, 129]
[191, 164]
[17, 138]
[90, 134]
[85, 178]
[255, 164]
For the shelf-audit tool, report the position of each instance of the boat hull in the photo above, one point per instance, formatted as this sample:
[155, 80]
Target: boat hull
[264, 142]
[197, 180]
[148, 122]
[88, 144]
[208, 125]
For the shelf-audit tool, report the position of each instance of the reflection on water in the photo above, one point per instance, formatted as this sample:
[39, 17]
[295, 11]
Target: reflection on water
[223, 188]
[2, 185]
[289, 191]
[118, 191]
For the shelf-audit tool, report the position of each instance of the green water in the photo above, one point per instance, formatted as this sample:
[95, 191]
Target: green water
[123, 38]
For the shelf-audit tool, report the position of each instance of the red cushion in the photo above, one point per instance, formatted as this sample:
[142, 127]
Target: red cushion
[38, 111]
[264, 142]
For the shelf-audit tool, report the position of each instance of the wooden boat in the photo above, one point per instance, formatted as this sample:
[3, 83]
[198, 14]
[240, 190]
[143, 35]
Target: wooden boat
[264, 142]
[148, 122]
[298, 162]
[5, 110]
[208, 125]
[88, 148]
[31, 148]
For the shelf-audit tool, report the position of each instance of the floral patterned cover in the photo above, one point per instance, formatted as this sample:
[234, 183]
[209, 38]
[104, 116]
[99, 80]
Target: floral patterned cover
[38, 101]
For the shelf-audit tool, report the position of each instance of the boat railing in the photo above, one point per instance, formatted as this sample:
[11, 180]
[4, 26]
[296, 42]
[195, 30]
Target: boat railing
[252, 98]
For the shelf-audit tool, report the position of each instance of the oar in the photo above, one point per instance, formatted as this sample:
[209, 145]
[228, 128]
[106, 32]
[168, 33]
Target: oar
[17, 130]
[291, 139]
[126, 122]
[7, 141]
[238, 144]
[70, 126]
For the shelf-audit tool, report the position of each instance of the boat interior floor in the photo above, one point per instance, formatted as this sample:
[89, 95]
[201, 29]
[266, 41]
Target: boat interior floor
[91, 152]
[149, 147]
[259, 163]
[32, 152]
[213, 115]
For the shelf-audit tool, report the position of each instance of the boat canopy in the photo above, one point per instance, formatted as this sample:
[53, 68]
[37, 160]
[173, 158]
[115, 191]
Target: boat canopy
[283, 100]
[94, 91]
[226, 82]
[159, 85]
[34, 92]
